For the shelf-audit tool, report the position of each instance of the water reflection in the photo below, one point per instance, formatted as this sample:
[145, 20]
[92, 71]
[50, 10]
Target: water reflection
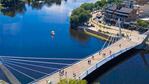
[28, 34]
[11, 29]
[122, 70]
[143, 56]
[38, 4]
[79, 35]
[13, 7]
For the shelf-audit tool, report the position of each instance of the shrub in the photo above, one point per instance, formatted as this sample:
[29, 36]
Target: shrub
[72, 81]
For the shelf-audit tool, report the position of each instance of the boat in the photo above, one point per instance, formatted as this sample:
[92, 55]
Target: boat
[52, 33]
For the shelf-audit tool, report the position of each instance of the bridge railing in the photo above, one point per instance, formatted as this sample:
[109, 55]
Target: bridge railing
[93, 67]
[77, 62]
[103, 61]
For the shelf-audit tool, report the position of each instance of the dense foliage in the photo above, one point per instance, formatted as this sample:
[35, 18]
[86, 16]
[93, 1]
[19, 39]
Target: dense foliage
[83, 13]
[100, 4]
[142, 23]
[72, 81]
[79, 16]
[88, 6]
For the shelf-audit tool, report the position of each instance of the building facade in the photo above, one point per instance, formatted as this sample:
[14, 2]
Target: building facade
[126, 15]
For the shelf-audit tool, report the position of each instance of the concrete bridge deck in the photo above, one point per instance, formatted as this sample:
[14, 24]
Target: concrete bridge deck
[82, 68]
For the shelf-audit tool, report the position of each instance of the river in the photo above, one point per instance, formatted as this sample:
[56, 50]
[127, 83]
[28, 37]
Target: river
[25, 31]
[132, 70]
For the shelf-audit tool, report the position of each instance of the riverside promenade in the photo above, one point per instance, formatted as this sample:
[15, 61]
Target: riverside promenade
[82, 68]
[112, 30]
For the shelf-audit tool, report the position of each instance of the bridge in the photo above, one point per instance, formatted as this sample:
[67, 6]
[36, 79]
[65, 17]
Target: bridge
[52, 70]
[112, 48]
[82, 68]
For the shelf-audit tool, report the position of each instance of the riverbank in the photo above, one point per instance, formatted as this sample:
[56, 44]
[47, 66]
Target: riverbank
[96, 34]
[1, 6]
[103, 31]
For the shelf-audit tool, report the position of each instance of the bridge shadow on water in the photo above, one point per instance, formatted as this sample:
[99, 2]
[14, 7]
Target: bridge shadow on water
[110, 65]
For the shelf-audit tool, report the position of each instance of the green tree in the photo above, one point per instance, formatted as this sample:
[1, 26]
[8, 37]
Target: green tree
[142, 23]
[72, 81]
[79, 16]
[103, 3]
[77, 11]
[88, 6]
[84, 16]
[100, 4]
[74, 20]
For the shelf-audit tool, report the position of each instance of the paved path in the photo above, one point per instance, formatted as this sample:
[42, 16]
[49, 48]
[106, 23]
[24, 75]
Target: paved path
[111, 29]
[83, 65]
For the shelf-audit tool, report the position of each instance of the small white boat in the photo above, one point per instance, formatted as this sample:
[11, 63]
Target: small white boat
[52, 33]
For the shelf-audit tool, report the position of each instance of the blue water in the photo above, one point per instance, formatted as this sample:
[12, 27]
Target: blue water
[134, 70]
[26, 32]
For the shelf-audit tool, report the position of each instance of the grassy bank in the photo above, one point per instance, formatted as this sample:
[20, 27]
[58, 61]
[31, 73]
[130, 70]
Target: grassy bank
[95, 35]
[1, 6]
[72, 81]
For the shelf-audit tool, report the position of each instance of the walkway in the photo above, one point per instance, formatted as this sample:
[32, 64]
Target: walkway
[81, 68]
[111, 29]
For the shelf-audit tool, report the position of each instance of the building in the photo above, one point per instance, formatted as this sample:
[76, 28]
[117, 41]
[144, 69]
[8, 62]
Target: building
[126, 14]
[141, 2]
[144, 11]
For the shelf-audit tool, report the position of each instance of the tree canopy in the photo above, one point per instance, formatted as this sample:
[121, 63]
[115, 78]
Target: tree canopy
[88, 6]
[79, 16]
[142, 23]
[72, 81]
